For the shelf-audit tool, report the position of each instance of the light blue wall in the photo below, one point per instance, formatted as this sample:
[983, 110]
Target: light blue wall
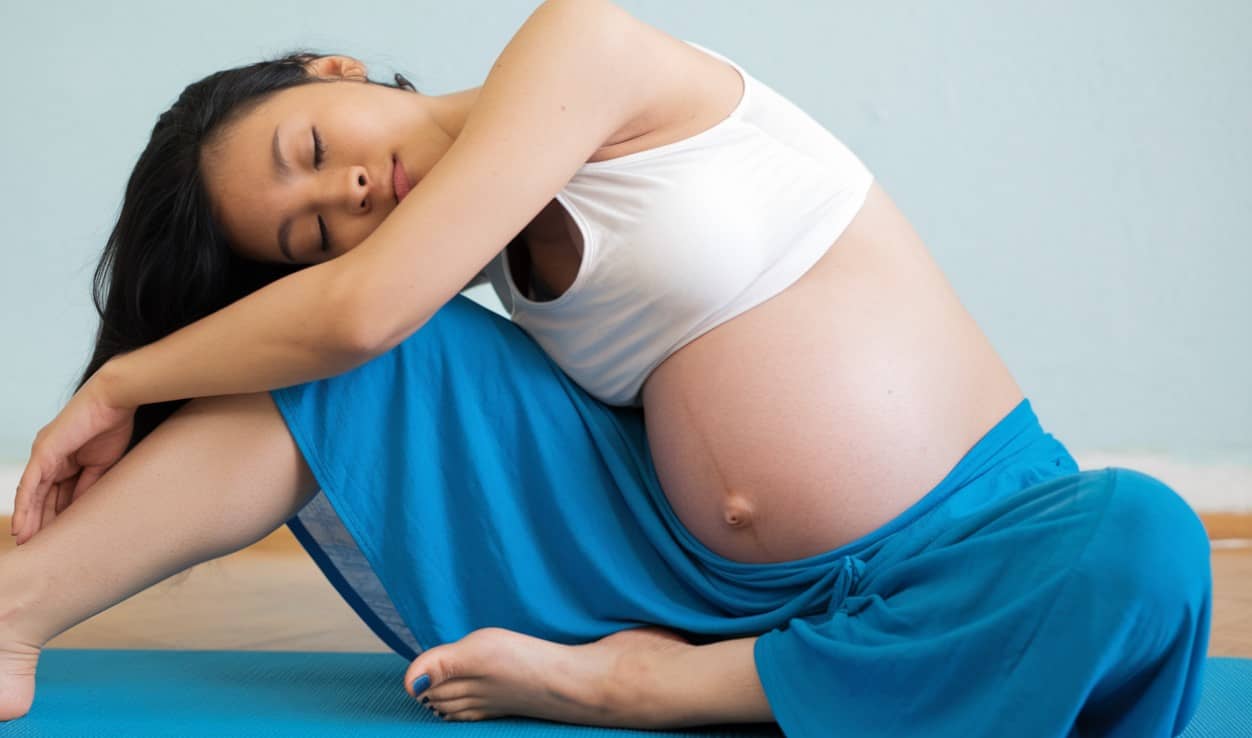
[1081, 171]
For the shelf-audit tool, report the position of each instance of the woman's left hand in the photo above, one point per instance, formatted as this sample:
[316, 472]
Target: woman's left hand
[69, 454]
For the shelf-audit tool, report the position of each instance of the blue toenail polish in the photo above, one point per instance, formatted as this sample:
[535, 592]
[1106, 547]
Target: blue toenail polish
[425, 700]
[421, 684]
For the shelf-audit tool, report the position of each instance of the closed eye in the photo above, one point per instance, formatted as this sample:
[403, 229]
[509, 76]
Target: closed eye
[319, 154]
[319, 150]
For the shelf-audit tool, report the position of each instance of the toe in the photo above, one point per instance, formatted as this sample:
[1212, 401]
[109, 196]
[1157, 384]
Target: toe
[471, 655]
[432, 668]
[457, 706]
[453, 689]
[472, 716]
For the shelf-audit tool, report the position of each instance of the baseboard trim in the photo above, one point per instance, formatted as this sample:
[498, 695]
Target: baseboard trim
[1220, 526]
[1220, 492]
[1228, 526]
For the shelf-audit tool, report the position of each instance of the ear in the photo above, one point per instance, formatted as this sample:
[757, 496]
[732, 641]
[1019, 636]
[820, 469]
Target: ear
[337, 67]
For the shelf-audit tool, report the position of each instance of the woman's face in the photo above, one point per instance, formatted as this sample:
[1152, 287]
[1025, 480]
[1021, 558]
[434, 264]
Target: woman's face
[282, 197]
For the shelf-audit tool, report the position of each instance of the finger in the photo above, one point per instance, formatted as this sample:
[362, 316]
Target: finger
[64, 492]
[35, 505]
[32, 478]
[34, 499]
[47, 503]
[34, 521]
[49, 513]
[28, 505]
[29, 478]
[88, 478]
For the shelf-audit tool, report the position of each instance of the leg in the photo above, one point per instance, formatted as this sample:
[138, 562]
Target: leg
[687, 686]
[510, 518]
[1077, 606]
[1147, 580]
[216, 476]
[641, 678]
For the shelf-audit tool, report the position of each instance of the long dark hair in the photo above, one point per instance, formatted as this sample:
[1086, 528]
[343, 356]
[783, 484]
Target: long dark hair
[167, 263]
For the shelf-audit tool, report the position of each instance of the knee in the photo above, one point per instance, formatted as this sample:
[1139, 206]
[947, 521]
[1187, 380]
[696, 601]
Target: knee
[1150, 547]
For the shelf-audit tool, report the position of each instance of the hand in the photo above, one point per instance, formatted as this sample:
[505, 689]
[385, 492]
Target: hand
[69, 454]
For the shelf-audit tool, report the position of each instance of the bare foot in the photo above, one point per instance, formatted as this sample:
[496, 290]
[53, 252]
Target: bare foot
[493, 672]
[18, 659]
[19, 645]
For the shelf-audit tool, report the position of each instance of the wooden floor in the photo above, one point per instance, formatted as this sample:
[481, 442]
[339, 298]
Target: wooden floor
[272, 597]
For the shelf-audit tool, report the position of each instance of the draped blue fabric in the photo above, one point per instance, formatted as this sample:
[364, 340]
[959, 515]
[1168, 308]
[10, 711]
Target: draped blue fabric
[467, 482]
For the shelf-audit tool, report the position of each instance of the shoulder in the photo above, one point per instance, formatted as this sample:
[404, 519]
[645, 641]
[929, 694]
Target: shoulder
[665, 85]
[584, 16]
[586, 27]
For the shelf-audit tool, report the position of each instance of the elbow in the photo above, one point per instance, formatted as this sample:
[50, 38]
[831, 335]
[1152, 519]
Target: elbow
[359, 338]
[369, 328]
[371, 320]
[362, 331]
[354, 325]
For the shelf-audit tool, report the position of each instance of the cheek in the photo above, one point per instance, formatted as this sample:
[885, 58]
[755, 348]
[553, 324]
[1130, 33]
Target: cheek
[369, 126]
[249, 229]
[240, 212]
[363, 126]
[360, 228]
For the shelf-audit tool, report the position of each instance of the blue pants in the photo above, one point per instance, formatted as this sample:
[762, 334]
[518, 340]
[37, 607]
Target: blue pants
[467, 482]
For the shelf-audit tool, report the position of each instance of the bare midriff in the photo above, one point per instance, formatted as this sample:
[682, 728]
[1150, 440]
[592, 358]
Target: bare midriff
[821, 414]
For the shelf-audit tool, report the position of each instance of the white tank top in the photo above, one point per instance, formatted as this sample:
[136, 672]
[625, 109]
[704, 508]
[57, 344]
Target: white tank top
[682, 237]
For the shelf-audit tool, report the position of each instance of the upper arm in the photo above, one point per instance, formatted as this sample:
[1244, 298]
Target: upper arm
[478, 279]
[562, 86]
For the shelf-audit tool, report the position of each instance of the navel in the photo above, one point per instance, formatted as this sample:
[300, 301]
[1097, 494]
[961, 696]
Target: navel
[738, 513]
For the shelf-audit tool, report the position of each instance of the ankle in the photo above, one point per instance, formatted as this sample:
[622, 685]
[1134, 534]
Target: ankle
[19, 615]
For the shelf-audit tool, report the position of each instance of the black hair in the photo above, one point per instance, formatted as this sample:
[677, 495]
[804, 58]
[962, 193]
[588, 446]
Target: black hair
[166, 263]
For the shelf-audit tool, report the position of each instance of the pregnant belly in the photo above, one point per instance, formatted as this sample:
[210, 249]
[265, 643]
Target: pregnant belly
[823, 413]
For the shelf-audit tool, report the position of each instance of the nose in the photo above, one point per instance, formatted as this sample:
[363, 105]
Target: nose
[359, 186]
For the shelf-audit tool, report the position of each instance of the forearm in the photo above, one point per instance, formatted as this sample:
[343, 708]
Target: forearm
[291, 331]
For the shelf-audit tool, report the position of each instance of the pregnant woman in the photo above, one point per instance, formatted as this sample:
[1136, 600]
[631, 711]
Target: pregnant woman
[740, 454]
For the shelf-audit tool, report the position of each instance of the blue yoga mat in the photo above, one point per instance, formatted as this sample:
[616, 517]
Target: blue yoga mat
[140, 693]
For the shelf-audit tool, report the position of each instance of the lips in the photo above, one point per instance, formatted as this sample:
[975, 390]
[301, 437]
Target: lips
[399, 179]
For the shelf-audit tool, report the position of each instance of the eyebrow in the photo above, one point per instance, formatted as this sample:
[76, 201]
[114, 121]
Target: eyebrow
[284, 229]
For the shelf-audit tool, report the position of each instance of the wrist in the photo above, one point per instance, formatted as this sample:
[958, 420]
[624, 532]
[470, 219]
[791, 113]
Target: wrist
[109, 384]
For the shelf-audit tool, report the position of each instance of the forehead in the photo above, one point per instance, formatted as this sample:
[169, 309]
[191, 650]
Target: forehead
[250, 133]
[248, 199]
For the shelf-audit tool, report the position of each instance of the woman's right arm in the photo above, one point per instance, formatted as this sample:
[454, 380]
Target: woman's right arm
[480, 278]
[574, 75]
[565, 84]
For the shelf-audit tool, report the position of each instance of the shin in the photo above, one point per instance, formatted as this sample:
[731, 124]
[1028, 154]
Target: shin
[218, 475]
